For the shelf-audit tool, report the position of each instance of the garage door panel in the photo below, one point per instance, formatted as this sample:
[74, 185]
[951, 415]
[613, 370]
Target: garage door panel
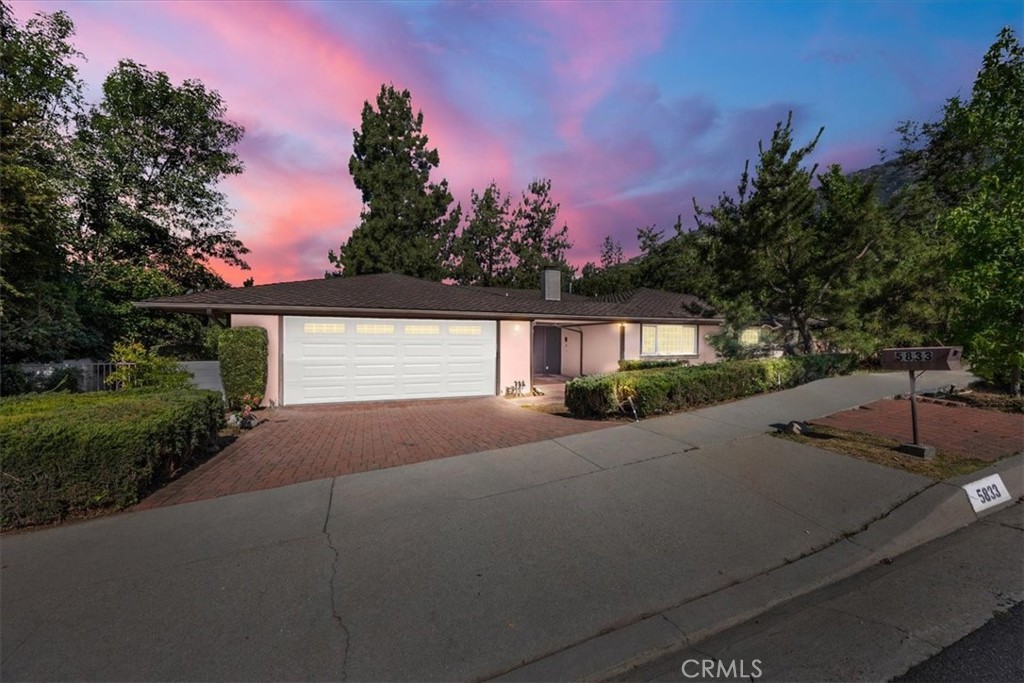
[319, 350]
[416, 350]
[324, 374]
[330, 360]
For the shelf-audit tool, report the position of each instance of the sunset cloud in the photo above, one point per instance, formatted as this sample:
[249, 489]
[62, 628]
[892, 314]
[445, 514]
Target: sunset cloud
[632, 109]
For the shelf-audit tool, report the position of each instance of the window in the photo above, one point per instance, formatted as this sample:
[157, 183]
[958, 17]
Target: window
[428, 330]
[375, 328]
[668, 340]
[324, 328]
[465, 330]
[751, 336]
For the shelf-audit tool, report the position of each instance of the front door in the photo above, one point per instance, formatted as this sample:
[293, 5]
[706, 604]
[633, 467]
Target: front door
[547, 350]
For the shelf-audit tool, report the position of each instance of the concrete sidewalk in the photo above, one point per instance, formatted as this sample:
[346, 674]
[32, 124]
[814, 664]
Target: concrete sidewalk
[550, 561]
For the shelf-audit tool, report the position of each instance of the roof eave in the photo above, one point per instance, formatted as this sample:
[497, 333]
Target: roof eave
[254, 309]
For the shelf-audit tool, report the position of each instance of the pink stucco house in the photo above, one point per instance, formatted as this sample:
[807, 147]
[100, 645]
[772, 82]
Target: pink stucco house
[385, 337]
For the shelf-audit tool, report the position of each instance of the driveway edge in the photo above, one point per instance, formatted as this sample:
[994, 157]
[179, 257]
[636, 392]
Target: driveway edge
[934, 512]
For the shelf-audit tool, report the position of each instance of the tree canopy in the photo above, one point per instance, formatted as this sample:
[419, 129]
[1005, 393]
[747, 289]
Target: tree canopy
[104, 204]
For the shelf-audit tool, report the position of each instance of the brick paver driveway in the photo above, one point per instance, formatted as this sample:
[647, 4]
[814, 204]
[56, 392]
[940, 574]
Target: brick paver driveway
[298, 444]
[967, 432]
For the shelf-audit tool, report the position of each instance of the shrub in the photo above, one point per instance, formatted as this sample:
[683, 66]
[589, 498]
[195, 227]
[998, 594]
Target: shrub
[14, 380]
[639, 364]
[67, 454]
[138, 367]
[243, 363]
[63, 378]
[659, 390]
[211, 341]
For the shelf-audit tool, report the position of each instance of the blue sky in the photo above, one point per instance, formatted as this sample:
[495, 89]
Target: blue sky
[631, 109]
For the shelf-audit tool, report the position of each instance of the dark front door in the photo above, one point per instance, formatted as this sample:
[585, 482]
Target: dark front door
[547, 350]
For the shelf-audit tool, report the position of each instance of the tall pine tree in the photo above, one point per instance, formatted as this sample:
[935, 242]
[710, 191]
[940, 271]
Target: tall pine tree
[405, 225]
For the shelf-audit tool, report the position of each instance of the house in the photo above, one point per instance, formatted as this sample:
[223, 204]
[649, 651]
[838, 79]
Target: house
[389, 336]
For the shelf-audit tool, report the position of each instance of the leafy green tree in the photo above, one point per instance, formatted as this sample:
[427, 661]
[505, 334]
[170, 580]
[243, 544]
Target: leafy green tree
[537, 241]
[987, 224]
[40, 93]
[483, 249]
[405, 225]
[151, 215]
[154, 155]
[786, 250]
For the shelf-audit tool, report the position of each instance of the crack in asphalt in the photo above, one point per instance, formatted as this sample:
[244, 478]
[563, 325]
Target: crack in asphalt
[335, 614]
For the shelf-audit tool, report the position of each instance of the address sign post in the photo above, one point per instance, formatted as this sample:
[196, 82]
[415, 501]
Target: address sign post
[916, 361]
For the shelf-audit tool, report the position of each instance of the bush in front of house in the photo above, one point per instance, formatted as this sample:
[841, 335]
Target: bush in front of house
[138, 367]
[660, 390]
[643, 364]
[68, 454]
[242, 352]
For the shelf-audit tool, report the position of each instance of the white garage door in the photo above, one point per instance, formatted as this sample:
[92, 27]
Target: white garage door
[329, 360]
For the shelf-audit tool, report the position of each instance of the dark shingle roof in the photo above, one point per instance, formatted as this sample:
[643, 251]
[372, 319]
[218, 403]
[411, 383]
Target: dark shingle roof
[393, 294]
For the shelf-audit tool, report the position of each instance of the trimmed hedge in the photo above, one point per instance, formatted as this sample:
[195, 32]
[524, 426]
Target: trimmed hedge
[242, 352]
[639, 364]
[660, 390]
[67, 454]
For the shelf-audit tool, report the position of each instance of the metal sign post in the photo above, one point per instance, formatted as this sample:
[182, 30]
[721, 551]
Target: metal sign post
[913, 405]
[916, 361]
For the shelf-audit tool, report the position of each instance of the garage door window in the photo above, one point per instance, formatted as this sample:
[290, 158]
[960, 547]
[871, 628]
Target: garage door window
[374, 328]
[465, 330]
[324, 328]
[424, 330]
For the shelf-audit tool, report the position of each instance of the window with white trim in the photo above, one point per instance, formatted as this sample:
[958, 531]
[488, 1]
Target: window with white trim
[668, 340]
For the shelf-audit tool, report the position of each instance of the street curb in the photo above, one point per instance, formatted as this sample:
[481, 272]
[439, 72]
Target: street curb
[936, 511]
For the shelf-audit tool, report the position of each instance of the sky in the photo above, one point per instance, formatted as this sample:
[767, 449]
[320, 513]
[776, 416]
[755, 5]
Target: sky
[632, 109]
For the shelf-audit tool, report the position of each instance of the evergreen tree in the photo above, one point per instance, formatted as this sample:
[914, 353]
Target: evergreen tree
[405, 225]
[538, 243]
[484, 249]
[782, 249]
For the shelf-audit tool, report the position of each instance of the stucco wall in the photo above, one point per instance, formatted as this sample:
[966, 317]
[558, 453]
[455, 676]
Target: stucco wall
[705, 352]
[600, 348]
[514, 347]
[271, 324]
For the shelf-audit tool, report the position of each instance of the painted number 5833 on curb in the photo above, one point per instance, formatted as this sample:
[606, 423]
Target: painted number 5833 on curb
[987, 492]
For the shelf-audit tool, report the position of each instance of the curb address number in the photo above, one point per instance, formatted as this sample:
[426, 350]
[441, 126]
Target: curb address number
[987, 492]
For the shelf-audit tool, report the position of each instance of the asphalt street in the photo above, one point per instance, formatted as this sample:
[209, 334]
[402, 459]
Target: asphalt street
[992, 654]
[876, 625]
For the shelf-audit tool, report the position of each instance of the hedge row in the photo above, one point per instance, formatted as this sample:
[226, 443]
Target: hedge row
[242, 352]
[641, 364]
[659, 390]
[67, 454]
